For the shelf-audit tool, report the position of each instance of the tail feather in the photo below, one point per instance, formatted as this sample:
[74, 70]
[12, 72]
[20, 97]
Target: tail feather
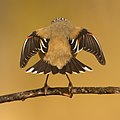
[68, 68]
[48, 69]
[79, 68]
[85, 67]
[38, 64]
[73, 66]
[54, 69]
[42, 68]
[37, 68]
[63, 70]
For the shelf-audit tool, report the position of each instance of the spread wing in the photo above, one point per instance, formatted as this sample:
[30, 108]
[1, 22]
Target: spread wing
[31, 46]
[87, 41]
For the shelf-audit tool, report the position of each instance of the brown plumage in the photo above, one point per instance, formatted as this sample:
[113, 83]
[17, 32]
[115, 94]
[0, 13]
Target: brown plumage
[57, 46]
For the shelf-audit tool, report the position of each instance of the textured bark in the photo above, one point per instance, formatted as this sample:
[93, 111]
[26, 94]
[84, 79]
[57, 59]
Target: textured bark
[58, 91]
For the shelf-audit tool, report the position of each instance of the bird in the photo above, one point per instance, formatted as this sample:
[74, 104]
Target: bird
[57, 46]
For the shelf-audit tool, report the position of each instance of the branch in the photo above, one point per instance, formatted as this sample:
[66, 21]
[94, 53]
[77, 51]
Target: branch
[58, 91]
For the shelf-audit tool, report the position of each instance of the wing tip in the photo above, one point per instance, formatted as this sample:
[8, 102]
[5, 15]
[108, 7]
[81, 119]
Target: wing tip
[103, 62]
[22, 65]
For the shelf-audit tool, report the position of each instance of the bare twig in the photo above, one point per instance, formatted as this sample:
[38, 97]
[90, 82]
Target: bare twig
[58, 91]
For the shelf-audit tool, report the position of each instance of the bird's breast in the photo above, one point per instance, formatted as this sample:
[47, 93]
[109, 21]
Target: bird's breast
[59, 52]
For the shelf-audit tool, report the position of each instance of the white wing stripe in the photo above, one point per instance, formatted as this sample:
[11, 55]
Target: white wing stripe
[25, 44]
[43, 44]
[75, 45]
[34, 72]
[72, 41]
[30, 70]
[42, 50]
[45, 40]
[87, 69]
[77, 48]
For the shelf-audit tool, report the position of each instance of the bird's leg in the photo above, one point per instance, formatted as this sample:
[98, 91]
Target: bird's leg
[46, 85]
[70, 86]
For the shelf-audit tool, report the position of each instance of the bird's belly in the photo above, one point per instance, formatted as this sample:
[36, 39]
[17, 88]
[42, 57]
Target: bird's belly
[58, 54]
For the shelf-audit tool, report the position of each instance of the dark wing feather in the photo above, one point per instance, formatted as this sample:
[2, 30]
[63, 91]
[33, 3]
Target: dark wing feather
[31, 46]
[87, 41]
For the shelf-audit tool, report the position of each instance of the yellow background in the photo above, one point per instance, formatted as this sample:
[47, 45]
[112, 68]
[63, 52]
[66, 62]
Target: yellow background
[20, 17]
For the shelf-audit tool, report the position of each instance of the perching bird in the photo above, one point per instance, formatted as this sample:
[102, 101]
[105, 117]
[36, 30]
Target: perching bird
[57, 46]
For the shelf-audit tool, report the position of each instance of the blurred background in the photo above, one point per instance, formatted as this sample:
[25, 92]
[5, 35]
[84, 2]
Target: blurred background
[18, 18]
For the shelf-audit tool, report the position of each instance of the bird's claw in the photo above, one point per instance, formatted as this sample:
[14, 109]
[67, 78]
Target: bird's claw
[45, 88]
[70, 89]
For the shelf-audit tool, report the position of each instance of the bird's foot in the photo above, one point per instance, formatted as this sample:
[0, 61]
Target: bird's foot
[70, 89]
[45, 88]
